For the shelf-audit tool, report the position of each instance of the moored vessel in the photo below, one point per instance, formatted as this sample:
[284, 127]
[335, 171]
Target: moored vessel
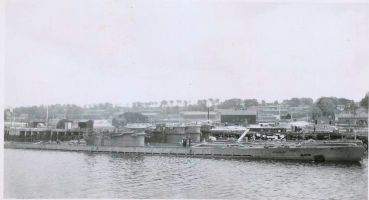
[339, 150]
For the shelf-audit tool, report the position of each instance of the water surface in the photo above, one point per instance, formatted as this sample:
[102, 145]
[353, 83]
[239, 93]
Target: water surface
[56, 174]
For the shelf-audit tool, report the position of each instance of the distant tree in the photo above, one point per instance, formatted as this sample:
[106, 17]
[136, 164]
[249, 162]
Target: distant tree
[275, 102]
[344, 101]
[211, 101]
[163, 103]
[179, 102]
[306, 101]
[129, 117]
[61, 123]
[364, 102]
[185, 103]
[231, 104]
[328, 106]
[352, 107]
[108, 105]
[119, 122]
[316, 112]
[263, 103]
[6, 115]
[202, 104]
[137, 104]
[295, 102]
[199, 106]
[250, 102]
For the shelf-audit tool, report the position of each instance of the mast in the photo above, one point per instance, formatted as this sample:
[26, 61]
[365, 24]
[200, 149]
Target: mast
[208, 114]
[207, 103]
[47, 116]
[11, 117]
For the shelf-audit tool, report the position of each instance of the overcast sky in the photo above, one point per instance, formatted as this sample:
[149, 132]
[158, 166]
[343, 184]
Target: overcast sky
[119, 51]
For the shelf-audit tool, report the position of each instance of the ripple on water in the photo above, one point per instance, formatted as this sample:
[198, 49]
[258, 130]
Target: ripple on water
[51, 174]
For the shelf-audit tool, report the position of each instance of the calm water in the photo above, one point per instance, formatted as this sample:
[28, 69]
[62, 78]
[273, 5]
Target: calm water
[53, 174]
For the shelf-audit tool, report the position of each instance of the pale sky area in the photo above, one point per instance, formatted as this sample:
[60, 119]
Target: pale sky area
[119, 51]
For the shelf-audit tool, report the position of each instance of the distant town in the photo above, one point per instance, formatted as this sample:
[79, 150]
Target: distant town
[231, 111]
[174, 124]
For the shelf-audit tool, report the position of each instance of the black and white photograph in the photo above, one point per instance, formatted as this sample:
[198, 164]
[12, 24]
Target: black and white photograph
[184, 99]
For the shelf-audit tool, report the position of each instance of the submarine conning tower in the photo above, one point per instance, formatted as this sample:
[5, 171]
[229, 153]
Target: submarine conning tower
[174, 133]
[193, 132]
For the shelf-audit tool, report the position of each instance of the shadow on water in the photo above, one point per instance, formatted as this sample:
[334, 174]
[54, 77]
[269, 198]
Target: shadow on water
[360, 164]
[127, 156]
[114, 155]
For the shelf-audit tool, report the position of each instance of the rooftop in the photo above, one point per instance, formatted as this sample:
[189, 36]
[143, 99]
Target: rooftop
[197, 113]
[349, 115]
[238, 112]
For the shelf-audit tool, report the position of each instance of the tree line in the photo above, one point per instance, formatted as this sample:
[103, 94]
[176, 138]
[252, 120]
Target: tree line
[322, 107]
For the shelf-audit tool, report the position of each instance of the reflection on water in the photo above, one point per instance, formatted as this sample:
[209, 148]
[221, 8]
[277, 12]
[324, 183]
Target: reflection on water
[52, 174]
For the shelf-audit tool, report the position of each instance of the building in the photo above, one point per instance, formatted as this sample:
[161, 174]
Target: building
[198, 116]
[102, 124]
[270, 113]
[273, 113]
[238, 117]
[351, 120]
[151, 116]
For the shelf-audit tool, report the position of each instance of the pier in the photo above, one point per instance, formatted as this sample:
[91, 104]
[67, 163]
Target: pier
[22, 134]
